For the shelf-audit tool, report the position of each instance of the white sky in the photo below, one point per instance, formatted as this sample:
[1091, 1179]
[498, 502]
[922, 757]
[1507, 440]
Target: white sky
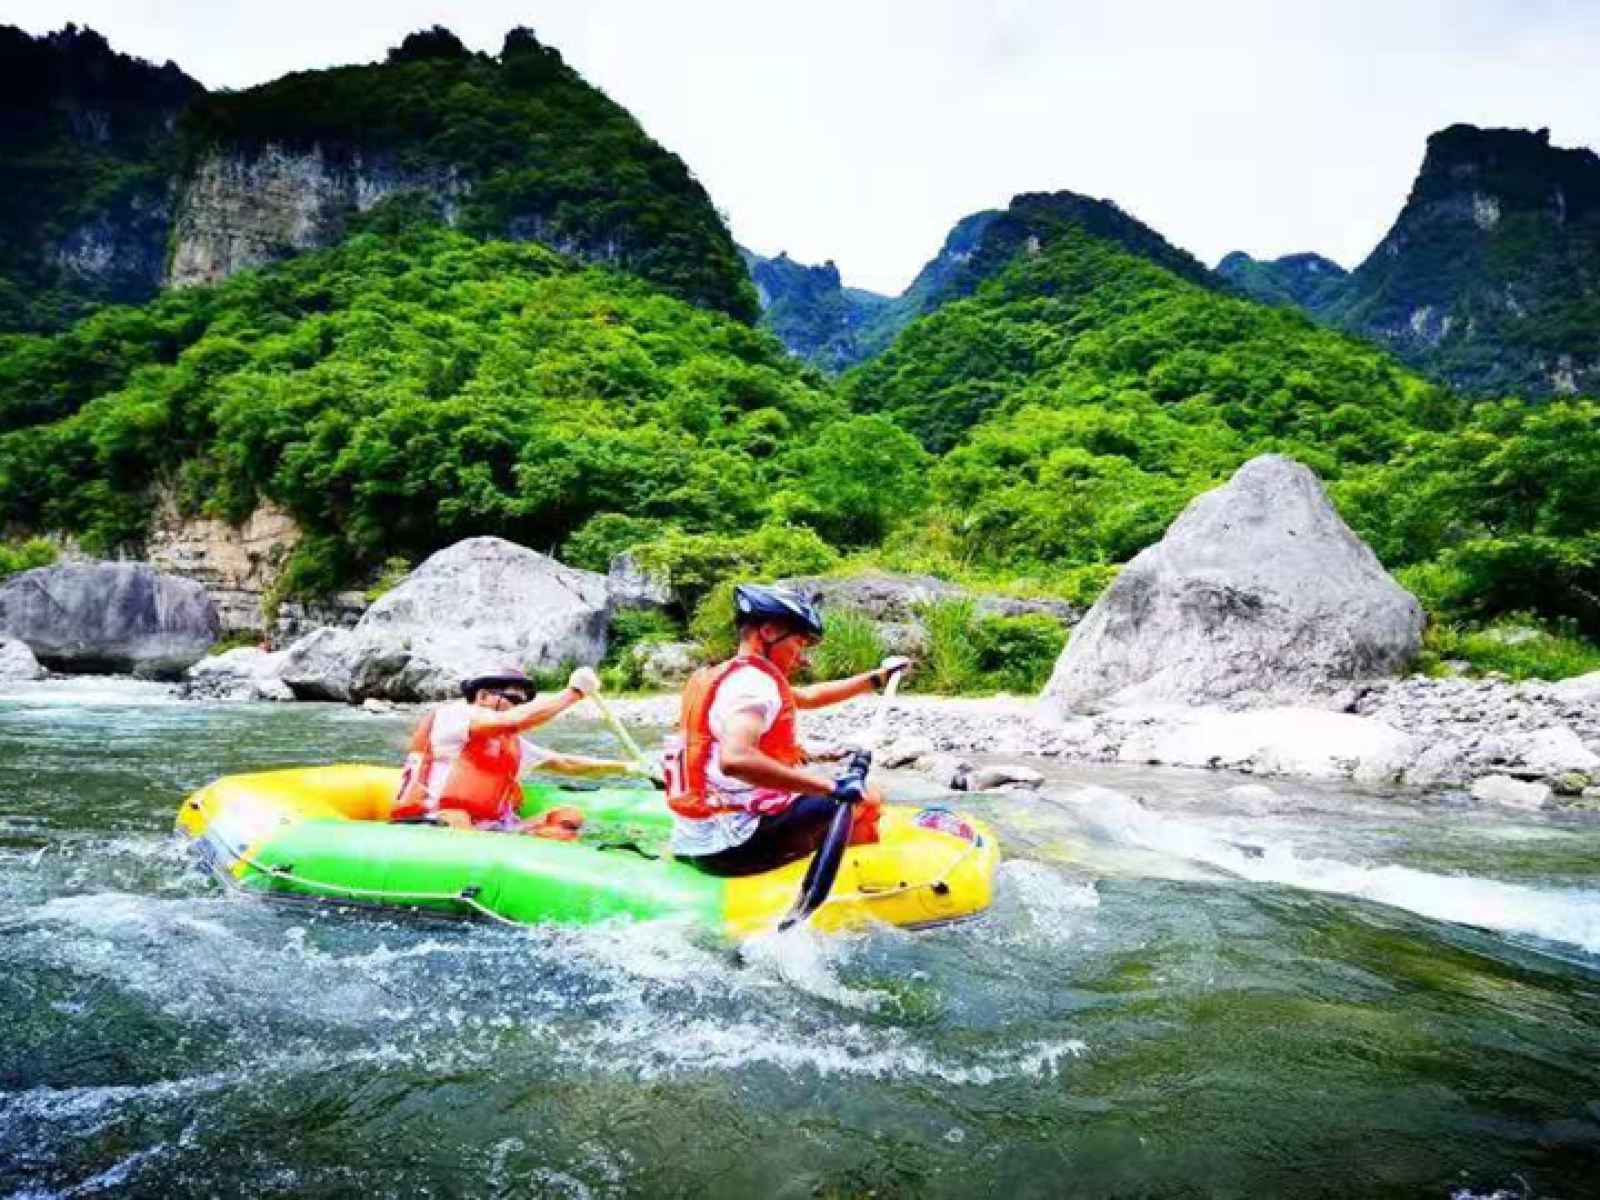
[861, 130]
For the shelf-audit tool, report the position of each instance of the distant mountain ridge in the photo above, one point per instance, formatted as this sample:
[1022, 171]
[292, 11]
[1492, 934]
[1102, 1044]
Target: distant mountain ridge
[978, 248]
[810, 310]
[1307, 281]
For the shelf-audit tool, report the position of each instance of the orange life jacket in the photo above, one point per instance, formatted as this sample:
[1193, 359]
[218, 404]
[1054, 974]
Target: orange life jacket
[481, 780]
[686, 779]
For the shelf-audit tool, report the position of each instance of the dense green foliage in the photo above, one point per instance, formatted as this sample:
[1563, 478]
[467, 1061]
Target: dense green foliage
[1518, 646]
[543, 155]
[25, 555]
[403, 391]
[87, 157]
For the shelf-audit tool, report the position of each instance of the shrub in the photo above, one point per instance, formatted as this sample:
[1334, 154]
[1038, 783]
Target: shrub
[619, 671]
[1017, 654]
[852, 646]
[694, 564]
[951, 664]
[601, 538]
[712, 624]
[25, 556]
[394, 570]
[1520, 646]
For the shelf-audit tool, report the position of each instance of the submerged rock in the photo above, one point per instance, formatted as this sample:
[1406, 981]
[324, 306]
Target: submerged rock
[1502, 789]
[1259, 593]
[481, 605]
[999, 775]
[109, 617]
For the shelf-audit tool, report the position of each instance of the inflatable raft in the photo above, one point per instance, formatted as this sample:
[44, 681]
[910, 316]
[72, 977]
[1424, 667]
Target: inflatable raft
[322, 834]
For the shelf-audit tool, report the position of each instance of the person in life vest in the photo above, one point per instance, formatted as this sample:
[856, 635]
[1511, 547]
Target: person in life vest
[743, 798]
[468, 756]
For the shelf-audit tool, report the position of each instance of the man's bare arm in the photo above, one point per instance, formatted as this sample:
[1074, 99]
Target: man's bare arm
[834, 691]
[743, 759]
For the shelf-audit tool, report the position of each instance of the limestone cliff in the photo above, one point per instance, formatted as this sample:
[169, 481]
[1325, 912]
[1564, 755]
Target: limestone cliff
[239, 567]
[250, 205]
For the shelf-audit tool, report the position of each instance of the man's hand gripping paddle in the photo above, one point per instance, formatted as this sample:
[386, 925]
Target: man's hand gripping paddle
[847, 792]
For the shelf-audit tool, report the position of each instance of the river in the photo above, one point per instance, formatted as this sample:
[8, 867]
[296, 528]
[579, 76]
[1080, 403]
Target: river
[1215, 992]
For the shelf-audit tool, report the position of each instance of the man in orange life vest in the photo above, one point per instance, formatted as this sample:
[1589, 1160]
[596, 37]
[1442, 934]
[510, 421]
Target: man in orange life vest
[742, 797]
[467, 756]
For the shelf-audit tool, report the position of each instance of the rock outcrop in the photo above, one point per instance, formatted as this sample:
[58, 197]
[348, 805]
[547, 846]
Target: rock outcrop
[111, 617]
[1258, 594]
[244, 673]
[484, 604]
[244, 207]
[17, 663]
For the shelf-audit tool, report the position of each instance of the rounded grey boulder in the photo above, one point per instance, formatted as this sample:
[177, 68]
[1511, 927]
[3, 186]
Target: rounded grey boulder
[116, 617]
[1258, 594]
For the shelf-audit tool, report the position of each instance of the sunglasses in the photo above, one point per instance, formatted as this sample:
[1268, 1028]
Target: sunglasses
[510, 696]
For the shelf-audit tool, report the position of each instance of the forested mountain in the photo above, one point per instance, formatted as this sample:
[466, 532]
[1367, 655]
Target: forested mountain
[516, 146]
[120, 176]
[405, 389]
[1080, 396]
[978, 247]
[1307, 281]
[1490, 277]
[88, 156]
[810, 310]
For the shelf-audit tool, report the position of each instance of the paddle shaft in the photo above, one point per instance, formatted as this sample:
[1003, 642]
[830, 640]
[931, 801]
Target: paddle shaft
[824, 868]
[621, 734]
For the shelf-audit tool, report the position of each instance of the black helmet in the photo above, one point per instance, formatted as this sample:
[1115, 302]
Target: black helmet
[503, 679]
[754, 603]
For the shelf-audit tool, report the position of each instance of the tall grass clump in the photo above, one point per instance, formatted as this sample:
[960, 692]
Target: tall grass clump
[951, 663]
[851, 647]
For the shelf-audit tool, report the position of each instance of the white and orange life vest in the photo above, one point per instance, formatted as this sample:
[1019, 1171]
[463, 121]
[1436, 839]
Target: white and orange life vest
[687, 793]
[481, 781]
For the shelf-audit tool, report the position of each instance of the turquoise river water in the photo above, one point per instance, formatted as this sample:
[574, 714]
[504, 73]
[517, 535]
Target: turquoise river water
[1302, 992]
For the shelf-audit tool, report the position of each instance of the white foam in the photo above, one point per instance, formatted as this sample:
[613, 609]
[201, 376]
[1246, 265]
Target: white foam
[1567, 915]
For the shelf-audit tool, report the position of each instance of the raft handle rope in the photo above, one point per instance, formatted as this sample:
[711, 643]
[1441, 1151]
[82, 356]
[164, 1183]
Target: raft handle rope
[467, 895]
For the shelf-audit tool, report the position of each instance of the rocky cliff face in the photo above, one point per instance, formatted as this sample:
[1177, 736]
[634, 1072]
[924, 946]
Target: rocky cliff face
[246, 206]
[513, 146]
[239, 567]
[1490, 277]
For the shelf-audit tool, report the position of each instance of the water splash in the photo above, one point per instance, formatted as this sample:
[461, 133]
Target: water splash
[1566, 915]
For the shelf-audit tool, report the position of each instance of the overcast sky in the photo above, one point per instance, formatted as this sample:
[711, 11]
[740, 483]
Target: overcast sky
[860, 130]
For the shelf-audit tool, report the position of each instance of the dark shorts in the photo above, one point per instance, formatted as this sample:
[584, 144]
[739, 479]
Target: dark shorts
[796, 832]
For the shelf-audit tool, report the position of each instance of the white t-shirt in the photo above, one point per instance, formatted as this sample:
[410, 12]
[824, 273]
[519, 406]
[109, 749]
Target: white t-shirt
[744, 689]
[451, 724]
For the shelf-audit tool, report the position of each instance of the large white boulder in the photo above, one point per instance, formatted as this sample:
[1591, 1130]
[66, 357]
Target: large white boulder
[1295, 740]
[113, 617]
[1258, 594]
[481, 605]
